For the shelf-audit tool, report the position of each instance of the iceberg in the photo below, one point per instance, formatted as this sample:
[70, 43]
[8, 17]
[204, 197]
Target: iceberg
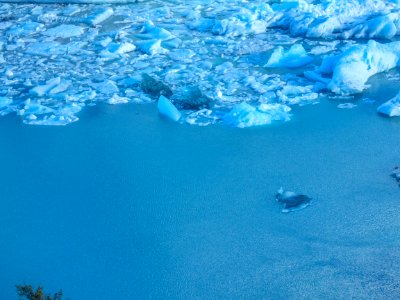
[391, 108]
[352, 69]
[295, 57]
[167, 109]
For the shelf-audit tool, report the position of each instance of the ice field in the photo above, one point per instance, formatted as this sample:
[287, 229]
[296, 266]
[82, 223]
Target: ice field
[242, 63]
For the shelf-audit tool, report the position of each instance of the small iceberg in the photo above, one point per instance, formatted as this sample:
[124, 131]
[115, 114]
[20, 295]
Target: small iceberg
[396, 173]
[352, 69]
[295, 57]
[346, 105]
[391, 108]
[292, 201]
[167, 109]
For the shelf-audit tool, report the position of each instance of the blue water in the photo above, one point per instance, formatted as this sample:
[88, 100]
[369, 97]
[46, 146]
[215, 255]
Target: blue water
[126, 205]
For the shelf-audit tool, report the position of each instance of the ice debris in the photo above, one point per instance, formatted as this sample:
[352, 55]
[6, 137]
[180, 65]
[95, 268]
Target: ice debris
[347, 105]
[396, 174]
[391, 108]
[292, 201]
[205, 56]
[167, 109]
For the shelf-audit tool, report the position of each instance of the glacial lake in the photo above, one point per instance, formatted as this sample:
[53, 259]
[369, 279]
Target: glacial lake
[127, 205]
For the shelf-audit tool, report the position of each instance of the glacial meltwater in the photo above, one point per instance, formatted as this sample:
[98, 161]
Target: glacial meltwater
[142, 146]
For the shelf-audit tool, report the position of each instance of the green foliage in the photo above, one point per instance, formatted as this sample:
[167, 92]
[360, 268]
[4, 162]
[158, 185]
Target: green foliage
[28, 292]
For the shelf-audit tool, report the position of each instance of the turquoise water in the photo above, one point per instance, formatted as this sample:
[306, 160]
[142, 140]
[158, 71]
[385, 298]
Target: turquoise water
[126, 205]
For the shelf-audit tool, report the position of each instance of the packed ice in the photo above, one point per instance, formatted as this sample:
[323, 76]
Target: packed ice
[205, 62]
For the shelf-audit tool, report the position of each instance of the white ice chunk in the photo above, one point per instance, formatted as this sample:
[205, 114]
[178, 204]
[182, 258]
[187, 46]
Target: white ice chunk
[346, 105]
[42, 90]
[277, 111]
[115, 99]
[295, 57]
[64, 31]
[121, 48]
[36, 109]
[245, 115]
[391, 108]
[167, 109]
[52, 120]
[99, 15]
[151, 47]
[357, 64]
[107, 87]
[151, 32]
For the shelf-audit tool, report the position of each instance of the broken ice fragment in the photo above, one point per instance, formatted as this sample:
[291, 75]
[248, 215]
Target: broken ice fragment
[167, 109]
[121, 48]
[245, 115]
[115, 99]
[150, 31]
[391, 108]
[295, 57]
[41, 90]
[151, 47]
[277, 111]
[99, 15]
[64, 31]
[292, 201]
[107, 87]
[346, 105]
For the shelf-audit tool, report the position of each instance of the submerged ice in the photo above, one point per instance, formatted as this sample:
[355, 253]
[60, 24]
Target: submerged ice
[240, 63]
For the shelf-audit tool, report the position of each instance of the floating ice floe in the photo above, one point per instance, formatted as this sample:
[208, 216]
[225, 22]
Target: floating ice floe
[245, 115]
[167, 109]
[391, 108]
[292, 201]
[346, 105]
